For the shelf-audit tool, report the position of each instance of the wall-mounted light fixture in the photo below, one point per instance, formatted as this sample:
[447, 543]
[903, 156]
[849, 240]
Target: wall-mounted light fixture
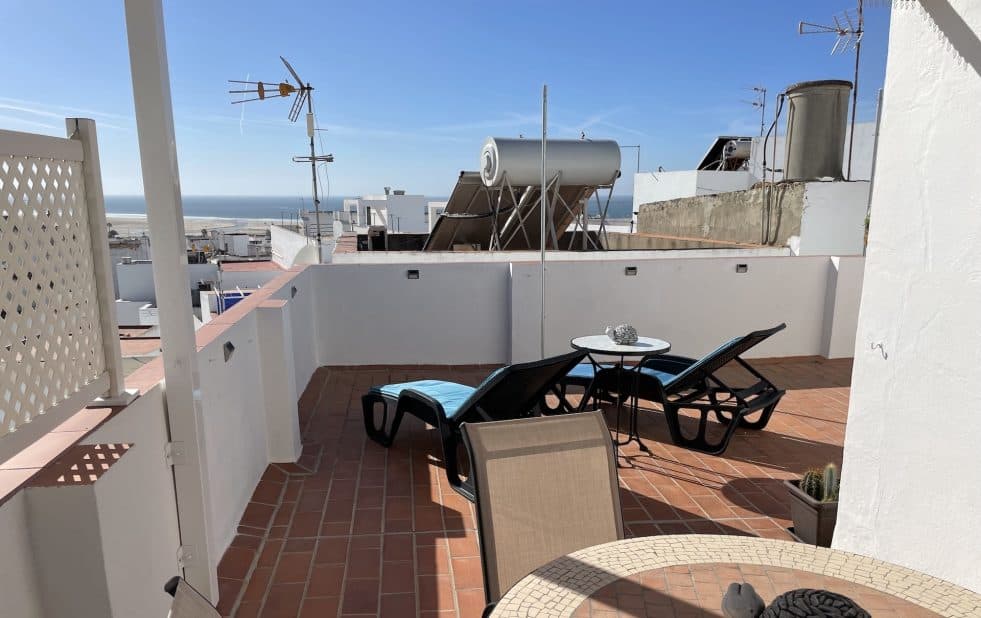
[742, 268]
[630, 271]
[228, 350]
[412, 274]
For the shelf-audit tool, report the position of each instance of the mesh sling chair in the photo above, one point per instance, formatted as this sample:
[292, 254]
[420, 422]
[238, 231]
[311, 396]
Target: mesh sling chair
[679, 383]
[188, 602]
[510, 392]
[545, 487]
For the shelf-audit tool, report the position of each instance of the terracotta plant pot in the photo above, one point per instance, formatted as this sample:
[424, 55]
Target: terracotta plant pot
[814, 521]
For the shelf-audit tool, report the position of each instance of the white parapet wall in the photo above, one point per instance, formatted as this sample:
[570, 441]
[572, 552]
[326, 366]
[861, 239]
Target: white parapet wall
[909, 493]
[128, 311]
[234, 424]
[305, 325]
[18, 565]
[454, 313]
[287, 244]
[138, 511]
[465, 310]
[833, 218]
[696, 305]
[99, 548]
[135, 280]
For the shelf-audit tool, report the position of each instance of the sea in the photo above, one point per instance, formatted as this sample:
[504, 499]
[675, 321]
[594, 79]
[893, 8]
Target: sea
[252, 207]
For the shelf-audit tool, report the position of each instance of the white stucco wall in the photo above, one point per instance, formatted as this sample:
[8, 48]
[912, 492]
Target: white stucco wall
[128, 311]
[287, 244]
[909, 494]
[411, 211]
[21, 591]
[234, 424]
[247, 279]
[844, 294]
[453, 314]
[660, 301]
[833, 221]
[135, 281]
[137, 510]
[488, 312]
[303, 312]
[434, 210]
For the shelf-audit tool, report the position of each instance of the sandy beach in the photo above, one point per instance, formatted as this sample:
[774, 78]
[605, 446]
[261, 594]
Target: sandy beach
[136, 225]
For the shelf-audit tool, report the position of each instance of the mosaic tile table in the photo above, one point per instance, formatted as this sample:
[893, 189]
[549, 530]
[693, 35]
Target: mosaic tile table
[686, 575]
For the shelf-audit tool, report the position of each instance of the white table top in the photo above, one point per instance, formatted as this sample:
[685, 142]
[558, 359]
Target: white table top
[602, 344]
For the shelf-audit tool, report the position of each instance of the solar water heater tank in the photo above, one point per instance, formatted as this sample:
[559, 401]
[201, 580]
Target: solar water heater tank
[817, 120]
[581, 162]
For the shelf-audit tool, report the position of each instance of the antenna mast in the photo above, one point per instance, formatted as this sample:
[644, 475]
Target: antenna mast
[760, 102]
[285, 89]
[849, 27]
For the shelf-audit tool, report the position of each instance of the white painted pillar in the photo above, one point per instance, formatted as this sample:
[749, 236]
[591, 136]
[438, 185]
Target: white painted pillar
[161, 185]
[279, 386]
[83, 130]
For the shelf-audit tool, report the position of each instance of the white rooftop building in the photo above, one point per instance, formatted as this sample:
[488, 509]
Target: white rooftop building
[396, 210]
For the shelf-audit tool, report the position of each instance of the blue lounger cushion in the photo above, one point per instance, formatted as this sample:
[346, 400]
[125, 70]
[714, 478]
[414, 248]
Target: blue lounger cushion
[585, 371]
[450, 395]
[663, 377]
[705, 359]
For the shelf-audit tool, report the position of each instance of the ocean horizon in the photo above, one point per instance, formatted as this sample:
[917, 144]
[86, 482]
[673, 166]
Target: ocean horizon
[278, 207]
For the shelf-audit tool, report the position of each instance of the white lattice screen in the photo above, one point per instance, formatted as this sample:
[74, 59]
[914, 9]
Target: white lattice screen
[50, 337]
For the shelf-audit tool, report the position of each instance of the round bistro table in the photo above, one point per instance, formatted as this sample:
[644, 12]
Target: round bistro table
[686, 575]
[602, 345]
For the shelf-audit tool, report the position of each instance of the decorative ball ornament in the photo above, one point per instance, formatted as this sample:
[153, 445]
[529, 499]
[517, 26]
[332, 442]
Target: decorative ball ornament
[741, 601]
[625, 334]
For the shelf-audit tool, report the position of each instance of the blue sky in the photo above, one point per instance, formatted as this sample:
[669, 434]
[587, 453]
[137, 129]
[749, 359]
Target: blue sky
[409, 90]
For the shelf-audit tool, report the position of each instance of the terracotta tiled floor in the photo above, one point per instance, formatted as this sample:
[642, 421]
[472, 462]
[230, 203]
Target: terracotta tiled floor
[356, 529]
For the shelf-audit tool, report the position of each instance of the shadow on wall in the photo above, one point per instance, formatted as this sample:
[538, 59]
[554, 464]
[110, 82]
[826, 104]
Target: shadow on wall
[955, 31]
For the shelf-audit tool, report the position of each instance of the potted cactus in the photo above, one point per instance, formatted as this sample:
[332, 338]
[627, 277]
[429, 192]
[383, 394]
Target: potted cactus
[814, 505]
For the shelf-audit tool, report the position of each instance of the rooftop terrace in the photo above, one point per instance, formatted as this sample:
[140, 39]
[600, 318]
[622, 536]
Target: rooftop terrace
[357, 529]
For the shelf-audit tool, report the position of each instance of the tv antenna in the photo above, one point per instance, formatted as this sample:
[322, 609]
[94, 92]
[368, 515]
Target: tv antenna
[848, 28]
[302, 90]
[760, 103]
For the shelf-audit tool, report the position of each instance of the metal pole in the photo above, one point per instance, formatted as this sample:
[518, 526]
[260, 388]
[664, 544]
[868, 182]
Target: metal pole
[313, 170]
[858, 53]
[875, 155]
[544, 205]
[638, 155]
[763, 113]
[165, 216]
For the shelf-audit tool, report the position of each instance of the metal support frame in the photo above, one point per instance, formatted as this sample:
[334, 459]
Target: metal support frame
[582, 218]
[525, 207]
[526, 199]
